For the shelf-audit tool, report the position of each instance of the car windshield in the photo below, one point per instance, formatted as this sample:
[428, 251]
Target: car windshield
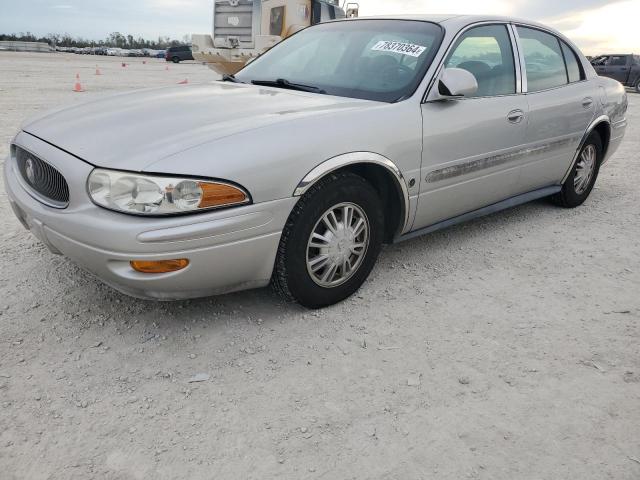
[381, 60]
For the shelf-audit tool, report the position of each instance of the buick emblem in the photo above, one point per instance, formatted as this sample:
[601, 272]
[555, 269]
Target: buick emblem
[30, 170]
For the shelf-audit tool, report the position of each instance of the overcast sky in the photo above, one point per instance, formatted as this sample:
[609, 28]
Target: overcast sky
[595, 25]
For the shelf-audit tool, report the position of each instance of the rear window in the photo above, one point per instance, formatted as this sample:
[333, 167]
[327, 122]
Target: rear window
[574, 72]
[543, 59]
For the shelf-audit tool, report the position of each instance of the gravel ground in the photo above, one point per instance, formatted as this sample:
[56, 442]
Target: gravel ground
[505, 348]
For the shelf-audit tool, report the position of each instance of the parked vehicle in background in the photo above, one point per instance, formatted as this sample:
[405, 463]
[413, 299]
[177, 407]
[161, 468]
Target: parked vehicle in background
[625, 68]
[117, 52]
[243, 30]
[178, 54]
[342, 137]
[160, 54]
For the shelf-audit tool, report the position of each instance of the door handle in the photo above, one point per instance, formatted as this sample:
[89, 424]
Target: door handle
[515, 116]
[587, 102]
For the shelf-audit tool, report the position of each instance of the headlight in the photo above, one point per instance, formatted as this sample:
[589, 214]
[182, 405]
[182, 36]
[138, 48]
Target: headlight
[157, 195]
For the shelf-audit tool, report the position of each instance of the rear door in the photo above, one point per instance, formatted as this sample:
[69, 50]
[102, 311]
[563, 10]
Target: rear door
[634, 73]
[470, 144]
[617, 67]
[561, 105]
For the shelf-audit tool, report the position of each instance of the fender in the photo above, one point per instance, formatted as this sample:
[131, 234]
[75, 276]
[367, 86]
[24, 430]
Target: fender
[354, 158]
[592, 125]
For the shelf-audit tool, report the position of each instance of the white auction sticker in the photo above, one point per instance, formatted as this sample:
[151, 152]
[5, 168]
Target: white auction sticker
[399, 47]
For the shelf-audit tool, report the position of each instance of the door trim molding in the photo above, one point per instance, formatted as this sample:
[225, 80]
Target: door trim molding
[494, 160]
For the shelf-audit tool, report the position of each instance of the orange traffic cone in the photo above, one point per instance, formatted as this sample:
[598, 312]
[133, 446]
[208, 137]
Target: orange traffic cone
[98, 71]
[167, 68]
[144, 62]
[184, 82]
[78, 86]
[124, 64]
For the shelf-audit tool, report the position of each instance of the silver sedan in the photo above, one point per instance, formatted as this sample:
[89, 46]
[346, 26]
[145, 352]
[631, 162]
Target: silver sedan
[294, 172]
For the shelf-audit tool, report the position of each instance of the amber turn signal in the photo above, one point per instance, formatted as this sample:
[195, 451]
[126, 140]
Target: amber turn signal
[220, 194]
[159, 266]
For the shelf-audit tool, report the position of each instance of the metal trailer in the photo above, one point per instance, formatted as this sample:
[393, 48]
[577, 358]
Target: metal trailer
[243, 29]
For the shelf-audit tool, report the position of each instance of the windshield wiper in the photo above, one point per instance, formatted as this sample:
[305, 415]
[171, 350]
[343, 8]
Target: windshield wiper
[284, 83]
[226, 77]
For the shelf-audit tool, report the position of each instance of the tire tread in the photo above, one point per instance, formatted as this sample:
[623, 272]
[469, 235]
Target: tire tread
[562, 198]
[279, 277]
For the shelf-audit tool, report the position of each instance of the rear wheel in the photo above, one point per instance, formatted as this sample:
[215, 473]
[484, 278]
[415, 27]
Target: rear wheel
[175, 59]
[582, 177]
[331, 241]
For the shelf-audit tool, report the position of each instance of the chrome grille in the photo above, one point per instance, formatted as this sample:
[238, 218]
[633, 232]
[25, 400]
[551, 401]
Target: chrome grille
[47, 182]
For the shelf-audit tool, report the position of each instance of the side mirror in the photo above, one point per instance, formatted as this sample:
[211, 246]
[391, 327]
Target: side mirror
[456, 82]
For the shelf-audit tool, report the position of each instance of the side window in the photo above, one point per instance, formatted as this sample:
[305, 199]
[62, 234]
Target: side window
[486, 52]
[617, 61]
[276, 21]
[543, 59]
[573, 66]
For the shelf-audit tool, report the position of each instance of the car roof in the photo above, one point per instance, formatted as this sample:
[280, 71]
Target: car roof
[457, 21]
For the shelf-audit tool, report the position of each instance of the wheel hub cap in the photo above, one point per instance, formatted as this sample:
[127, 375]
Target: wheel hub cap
[584, 169]
[337, 244]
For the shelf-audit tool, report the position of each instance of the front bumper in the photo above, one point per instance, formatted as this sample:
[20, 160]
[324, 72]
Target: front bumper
[228, 250]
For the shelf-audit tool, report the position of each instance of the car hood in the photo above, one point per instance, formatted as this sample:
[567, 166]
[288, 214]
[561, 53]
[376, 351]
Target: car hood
[134, 130]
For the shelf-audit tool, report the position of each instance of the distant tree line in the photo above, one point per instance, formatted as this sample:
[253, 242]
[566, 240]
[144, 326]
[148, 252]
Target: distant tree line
[116, 39]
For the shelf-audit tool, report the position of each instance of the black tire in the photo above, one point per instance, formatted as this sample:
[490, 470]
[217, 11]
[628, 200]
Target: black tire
[175, 59]
[637, 87]
[291, 278]
[568, 197]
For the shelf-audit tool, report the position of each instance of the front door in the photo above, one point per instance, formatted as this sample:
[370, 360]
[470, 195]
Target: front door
[470, 145]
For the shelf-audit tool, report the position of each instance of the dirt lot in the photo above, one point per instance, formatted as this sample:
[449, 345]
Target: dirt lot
[505, 348]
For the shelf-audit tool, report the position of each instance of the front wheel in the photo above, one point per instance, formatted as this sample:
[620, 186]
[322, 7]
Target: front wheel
[330, 242]
[582, 177]
[175, 59]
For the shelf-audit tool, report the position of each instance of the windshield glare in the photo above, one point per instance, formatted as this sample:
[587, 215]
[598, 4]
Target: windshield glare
[382, 60]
